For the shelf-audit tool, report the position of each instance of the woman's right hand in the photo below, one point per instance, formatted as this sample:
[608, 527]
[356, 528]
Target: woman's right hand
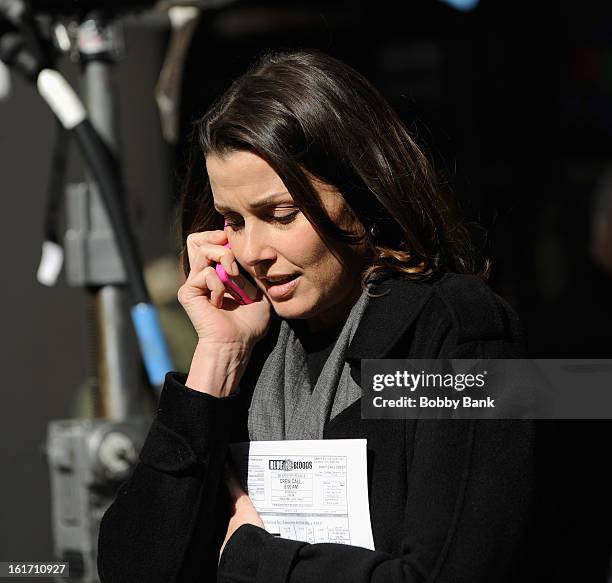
[217, 318]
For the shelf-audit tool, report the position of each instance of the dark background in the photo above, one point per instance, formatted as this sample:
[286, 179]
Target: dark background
[513, 101]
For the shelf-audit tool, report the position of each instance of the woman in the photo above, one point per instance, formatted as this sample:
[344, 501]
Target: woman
[334, 211]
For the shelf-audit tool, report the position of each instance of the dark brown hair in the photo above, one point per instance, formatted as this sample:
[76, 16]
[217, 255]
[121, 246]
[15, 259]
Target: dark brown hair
[309, 115]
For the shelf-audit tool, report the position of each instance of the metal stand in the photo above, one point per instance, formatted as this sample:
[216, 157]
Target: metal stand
[100, 47]
[89, 459]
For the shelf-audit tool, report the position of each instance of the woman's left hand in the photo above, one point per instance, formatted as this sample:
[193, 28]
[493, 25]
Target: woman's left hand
[243, 509]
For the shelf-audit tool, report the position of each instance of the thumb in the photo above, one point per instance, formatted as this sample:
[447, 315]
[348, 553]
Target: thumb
[233, 484]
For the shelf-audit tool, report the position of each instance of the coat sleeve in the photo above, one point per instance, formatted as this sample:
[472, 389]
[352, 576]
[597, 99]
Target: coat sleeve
[469, 514]
[164, 524]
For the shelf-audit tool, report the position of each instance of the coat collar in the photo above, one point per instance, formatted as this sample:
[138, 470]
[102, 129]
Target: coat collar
[386, 319]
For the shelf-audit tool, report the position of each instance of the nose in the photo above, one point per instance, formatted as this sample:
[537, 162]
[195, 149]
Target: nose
[256, 245]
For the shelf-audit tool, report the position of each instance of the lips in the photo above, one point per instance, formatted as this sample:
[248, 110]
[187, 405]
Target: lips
[278, 279]
[281, 289]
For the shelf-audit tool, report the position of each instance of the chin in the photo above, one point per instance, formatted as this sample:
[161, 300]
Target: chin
[293, 309]
[289, 312]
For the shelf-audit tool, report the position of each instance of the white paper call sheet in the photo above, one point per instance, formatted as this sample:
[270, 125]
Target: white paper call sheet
[311, 491]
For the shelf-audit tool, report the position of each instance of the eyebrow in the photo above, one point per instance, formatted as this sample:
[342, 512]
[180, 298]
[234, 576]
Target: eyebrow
[265, 201]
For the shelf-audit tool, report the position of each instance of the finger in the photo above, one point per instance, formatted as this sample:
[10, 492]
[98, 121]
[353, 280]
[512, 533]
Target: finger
[194, 287]
[233, 484]
[208, 254]
[201, 283]
[228, 261]
[217, 254]
[196, 240]
[215, 285]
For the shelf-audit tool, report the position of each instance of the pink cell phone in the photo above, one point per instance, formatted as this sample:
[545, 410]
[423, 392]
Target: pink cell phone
[241, 288]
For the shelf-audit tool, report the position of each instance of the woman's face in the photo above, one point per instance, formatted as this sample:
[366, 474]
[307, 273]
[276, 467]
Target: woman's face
[272, 239]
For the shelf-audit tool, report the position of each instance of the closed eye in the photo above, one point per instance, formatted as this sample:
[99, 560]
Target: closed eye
[236, 222]
[284, 218]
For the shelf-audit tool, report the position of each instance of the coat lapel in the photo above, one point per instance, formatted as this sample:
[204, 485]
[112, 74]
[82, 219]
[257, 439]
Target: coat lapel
[385, 320]
[383, 323]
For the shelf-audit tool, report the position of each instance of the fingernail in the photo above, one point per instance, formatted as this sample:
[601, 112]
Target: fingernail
[235, 270]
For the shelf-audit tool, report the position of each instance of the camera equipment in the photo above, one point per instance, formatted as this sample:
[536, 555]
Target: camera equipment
[25, 48]
[88, 459]
[81, 7]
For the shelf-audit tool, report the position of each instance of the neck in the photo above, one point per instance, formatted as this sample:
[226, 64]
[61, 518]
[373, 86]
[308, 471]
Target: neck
[337, 315]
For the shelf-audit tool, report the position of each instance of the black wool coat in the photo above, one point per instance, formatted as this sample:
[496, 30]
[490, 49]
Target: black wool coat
[450, 500]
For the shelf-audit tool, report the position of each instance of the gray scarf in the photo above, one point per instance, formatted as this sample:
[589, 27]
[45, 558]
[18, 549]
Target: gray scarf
[284, 405]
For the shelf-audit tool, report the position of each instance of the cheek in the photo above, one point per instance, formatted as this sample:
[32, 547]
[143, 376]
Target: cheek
[303, 247]
[326, 273]
[320, 260]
